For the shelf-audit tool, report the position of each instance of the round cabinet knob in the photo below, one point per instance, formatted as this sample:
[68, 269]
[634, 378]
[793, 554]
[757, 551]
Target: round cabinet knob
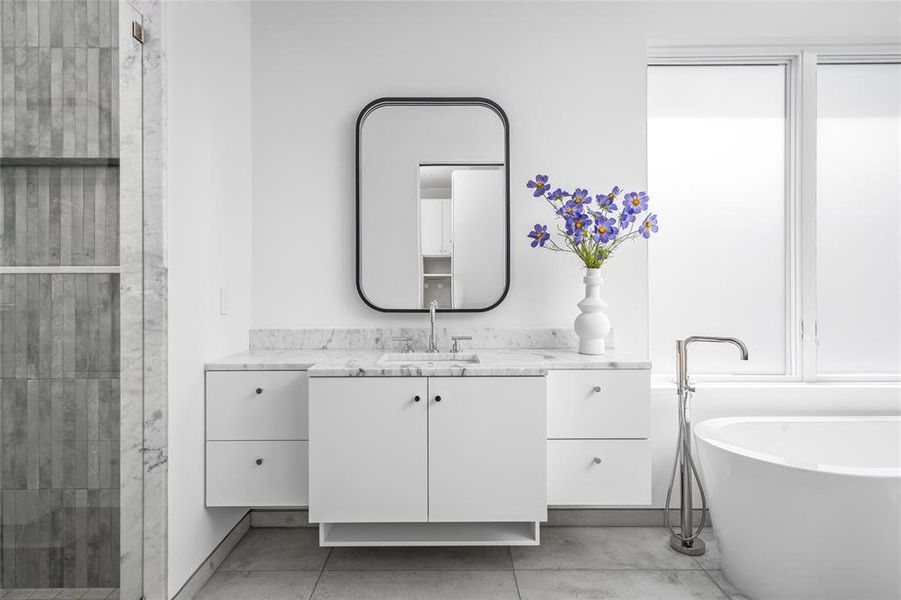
[259, 390]
[437, 398]
[597, 460]
[260, 461]
[416, 398]
[597, 389]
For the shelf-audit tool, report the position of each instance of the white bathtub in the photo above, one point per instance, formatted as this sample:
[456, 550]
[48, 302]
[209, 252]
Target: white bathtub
[806, 507]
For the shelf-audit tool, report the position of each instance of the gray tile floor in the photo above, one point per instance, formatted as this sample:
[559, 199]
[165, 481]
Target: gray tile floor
[572, 563]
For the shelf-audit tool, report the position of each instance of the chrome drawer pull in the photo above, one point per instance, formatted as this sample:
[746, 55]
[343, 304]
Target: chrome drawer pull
[597, 389]
[597, 460]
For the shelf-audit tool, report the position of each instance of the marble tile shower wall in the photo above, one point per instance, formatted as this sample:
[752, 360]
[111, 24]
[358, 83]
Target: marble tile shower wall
[59, 332]
[60, 71]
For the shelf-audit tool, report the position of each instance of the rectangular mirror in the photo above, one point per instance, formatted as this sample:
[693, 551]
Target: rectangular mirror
[432, 204]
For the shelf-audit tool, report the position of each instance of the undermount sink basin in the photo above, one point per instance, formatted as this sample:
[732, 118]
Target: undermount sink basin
[430, 357]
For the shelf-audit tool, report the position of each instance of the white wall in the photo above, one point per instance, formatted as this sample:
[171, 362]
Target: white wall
[209, 213]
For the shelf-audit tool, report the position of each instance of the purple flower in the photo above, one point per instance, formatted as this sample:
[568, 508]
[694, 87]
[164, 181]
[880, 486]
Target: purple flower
[557, 195]
[580, 196]
[539, 235]
[604, 230]
[577, 226]
[606, 201]
[626, 218]
[570, 210]
[540, 185]
[648, 226]
[635, 202]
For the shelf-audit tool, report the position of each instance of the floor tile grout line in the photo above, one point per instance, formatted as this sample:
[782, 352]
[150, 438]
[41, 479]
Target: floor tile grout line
[513, 569]
[321, 571]
[716, 583]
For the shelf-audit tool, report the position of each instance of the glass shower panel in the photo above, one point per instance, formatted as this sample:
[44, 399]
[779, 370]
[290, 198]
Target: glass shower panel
[60, 297]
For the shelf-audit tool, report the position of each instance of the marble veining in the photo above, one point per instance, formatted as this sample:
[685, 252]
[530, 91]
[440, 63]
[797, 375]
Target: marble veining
[367, 363]
[383, 338]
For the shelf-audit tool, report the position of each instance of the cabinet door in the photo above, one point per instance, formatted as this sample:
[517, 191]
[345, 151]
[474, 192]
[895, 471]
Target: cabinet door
[487, 449]
[599, 404]
[256, 405]
[368, 449]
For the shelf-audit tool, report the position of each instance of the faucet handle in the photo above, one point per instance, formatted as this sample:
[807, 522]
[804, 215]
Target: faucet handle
[459, 338]
[407, 340]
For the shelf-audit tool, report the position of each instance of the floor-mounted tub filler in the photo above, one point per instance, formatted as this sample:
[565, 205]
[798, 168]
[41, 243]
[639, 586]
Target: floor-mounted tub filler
[806, 507]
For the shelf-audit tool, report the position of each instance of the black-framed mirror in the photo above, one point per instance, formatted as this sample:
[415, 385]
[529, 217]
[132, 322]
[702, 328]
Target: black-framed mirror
[433, 204]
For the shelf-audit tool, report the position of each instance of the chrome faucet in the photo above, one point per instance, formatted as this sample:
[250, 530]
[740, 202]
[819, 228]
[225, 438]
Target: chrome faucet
[687, 540]
[682, 355]
[433, 341]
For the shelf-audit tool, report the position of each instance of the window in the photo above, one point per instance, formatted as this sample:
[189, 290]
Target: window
[717, 175]
[778, 184]
[858, 218]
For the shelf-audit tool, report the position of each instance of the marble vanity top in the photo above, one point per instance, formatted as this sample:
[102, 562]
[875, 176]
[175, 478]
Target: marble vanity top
[362, 363]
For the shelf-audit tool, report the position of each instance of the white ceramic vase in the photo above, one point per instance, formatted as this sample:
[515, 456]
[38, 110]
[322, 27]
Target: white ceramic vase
[592, 326]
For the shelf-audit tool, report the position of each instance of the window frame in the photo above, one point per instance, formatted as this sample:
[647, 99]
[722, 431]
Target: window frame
[800, 61]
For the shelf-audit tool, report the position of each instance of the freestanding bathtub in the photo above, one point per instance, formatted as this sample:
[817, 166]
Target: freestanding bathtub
[806, 507]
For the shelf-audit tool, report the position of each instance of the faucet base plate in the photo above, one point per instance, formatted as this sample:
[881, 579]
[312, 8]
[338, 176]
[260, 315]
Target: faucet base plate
[695, 547]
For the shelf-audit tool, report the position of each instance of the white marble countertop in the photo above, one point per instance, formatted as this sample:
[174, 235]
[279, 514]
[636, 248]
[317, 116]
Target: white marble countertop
[362, 363]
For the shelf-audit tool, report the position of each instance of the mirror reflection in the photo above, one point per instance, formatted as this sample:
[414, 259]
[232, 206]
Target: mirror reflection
[432, 194]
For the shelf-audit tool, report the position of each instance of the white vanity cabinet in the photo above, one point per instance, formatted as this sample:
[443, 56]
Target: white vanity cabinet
[598, 449]
[428, 460]
[256, 438]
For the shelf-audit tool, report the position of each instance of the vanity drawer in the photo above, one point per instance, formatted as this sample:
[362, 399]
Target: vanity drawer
[235, 411]
[598, 404]
[621, 478]
[233, 477]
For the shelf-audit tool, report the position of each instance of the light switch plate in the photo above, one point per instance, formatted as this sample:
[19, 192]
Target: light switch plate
[224, 302]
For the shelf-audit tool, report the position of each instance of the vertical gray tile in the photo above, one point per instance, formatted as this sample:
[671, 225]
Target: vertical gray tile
[114, 99]
[103, 23]
[104, 99]
[32, 217]
[56, 24]
[69, 347]
[54, 215]
[45, 435]
[81, 23]
[43, 100]
[8, 14]
[65, 216]
[8, 527]
[14, 443]
[8, 198]
[100, 222]
[77, 211]
[32, 94]
[68, 7]
[44, 18]
[33, 439]
[43, 216]
[21, 354]
[21, 199]
[32, 325]
[88, 220]
[21, 99]
[57, 327]
[69, 100]
[81, 98]
[8, 333]
[112, 216]
[56, 102]
[82, 313]
[21, 29]
[81, 538]
[9, 96]
[93, 23]
[45, 316]
[32, 24]
[92, 128]
[114, 25]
